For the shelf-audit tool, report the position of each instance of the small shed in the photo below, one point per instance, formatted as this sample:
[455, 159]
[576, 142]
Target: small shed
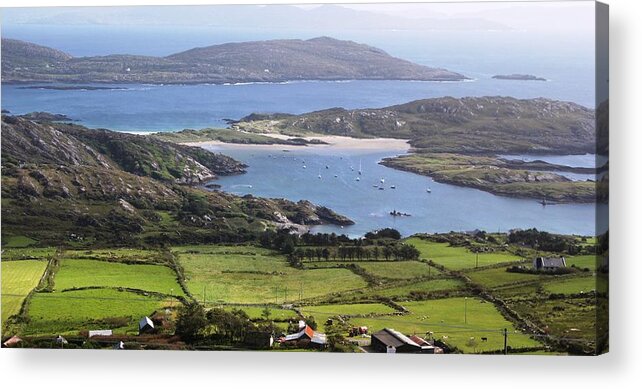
[93, 333]
[426, 346]
[60, 340]
[549, 263]
[145, 325]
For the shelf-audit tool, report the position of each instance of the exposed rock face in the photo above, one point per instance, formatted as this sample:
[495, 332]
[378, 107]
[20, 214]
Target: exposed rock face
[27, 141]
[263, 61]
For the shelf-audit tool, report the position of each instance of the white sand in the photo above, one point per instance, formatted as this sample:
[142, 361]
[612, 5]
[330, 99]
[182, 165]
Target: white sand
[333, 142]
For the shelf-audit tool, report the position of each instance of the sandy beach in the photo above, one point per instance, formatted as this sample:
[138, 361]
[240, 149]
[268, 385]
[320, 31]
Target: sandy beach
[332, 141]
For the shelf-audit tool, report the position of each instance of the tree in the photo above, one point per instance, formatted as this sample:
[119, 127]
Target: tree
[265, 313]
[191, 320]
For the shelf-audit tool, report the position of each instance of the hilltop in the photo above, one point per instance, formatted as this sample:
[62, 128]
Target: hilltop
[66, 184]
[320, 58]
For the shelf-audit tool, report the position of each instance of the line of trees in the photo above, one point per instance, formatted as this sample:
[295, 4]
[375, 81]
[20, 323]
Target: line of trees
[397, 252]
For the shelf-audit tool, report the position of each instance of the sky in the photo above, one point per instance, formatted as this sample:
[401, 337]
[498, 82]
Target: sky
[547, 17]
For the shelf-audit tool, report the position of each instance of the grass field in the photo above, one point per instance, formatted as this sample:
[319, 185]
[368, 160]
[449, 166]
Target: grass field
[78, 273]
[114, 254]
[455, 321]
[383, 269]
[28, 253]
[245, 274]
[18, 279]
[457, 258]
[583, 261]
[571, 285]
[321, 313]
[564, 318]
[74, 311]
[492, 278]
[405, 291]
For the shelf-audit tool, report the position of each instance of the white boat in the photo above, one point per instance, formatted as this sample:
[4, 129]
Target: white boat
[357, 179]
[383, 181]
[359, 167]
[428, 190]
[304, 166]
[393, 187]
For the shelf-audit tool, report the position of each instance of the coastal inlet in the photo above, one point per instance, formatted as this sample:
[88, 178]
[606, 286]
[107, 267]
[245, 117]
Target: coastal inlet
[329, 176]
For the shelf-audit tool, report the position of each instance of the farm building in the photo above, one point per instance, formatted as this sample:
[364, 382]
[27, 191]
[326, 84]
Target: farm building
[389, 340]
[426, 346]
[549, 263]
[145, 325]
[306, 337]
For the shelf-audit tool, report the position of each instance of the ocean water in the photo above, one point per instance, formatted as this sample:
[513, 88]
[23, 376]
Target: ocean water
[278, 174]
[566, 62]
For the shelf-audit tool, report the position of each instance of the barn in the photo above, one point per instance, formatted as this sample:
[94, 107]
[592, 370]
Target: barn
[389, 340]
[549, 263]
[306, 337]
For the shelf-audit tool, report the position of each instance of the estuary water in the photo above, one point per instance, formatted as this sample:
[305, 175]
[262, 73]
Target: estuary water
[278, 174]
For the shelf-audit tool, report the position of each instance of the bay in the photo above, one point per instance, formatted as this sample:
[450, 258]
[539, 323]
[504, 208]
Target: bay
[278, 174]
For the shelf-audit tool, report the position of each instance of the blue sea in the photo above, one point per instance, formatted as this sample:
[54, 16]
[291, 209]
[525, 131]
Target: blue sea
[567, 64]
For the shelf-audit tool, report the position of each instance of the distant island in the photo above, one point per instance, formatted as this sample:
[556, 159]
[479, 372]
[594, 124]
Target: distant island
[519, 77]
[284, 60]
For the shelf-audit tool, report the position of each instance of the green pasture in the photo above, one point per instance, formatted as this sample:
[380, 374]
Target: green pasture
[455, 321]
[18, 279]
[249, 275]
[457, 258]
[82, 273]
[90, 309]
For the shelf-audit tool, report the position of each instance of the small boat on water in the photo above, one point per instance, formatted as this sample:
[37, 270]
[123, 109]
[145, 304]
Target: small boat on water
[428, 190]
[359, 167]
[327, 167]
[375, 186]
[335, 176]
[393, 187]
[381, 188]
[357, 179]
[383, 181]
[305, 167]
